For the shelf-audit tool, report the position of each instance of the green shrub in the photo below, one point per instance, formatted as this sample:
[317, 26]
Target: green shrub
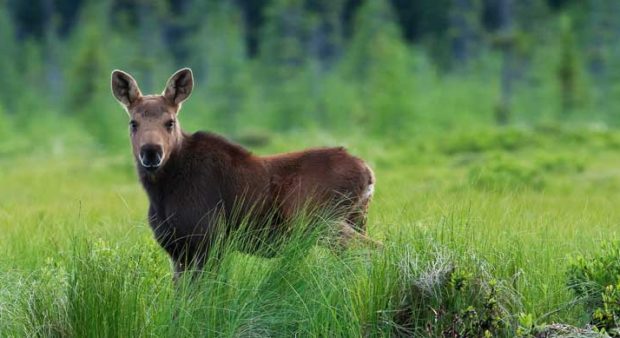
[595, 136]
[558, 164]
[509, 139]
[596, 281]
[6, 133]
[505, 173]
[447, 300]
[607, 317]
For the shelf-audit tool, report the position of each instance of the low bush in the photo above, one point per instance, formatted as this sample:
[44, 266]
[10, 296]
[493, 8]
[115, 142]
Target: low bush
[596, 281]
[507, 172]
[559, 164]
[444, 299]
[482, 140]
[503, 173]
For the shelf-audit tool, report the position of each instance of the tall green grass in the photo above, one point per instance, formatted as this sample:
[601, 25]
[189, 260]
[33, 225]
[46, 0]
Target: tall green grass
[101, 289]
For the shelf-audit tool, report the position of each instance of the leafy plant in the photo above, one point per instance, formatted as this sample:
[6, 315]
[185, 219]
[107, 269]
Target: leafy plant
[607, 317]
[506, 173]
[596, 280]
[509, 139]
[450, 301]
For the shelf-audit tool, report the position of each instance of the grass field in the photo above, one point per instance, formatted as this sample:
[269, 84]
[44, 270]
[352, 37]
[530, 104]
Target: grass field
[478, 226]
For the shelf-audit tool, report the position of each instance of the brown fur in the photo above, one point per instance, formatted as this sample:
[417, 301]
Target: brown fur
[203, 176]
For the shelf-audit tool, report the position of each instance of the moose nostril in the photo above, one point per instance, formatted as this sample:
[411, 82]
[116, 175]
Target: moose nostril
[151, 155]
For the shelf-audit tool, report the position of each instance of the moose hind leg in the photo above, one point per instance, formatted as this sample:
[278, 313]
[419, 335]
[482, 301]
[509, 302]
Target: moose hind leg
[347, 236]
[189, 262]
[179, 268]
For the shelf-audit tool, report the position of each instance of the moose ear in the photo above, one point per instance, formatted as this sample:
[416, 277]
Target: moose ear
[179, 86]
[125, 88]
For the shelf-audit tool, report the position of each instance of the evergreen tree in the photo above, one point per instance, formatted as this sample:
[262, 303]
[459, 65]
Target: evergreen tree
[254, 17]
[378, 62]
[284, 64]
[602, 52]
[506, 42]
[52, 52]
[326, 33]
[89, 63]
[9, 89]
[8, 71]
[429, 22]
[282, 48]
[325, 48]
[30, 68]
[465, 30]
[177, 28]
[597, 22]
[568, 67]
[88, 91]
[221, 59]
[531, 30]
[153, 62]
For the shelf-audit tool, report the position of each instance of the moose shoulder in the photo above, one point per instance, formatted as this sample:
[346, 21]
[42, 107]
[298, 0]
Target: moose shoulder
[192, 179]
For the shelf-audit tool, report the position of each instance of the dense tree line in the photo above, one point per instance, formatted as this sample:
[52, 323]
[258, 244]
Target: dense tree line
[384, 65]
[418, 20]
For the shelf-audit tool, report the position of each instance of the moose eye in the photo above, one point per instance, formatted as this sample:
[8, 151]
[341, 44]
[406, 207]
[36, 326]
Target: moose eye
[133, 126]
[169, 125]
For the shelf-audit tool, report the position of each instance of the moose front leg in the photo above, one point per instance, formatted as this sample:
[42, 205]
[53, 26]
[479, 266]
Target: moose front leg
[178, 270]
[192, 263]
[185, 264]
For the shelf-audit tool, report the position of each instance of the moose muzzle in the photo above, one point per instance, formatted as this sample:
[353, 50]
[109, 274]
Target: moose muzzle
[151, 156]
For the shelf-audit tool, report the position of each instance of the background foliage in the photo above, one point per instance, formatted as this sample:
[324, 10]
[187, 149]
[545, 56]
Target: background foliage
[389, 68]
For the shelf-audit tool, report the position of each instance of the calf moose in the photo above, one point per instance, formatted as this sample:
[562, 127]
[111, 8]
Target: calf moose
[190, 178]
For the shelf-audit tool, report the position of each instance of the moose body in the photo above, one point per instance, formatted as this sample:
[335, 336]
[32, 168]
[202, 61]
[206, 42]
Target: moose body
[192, 180]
